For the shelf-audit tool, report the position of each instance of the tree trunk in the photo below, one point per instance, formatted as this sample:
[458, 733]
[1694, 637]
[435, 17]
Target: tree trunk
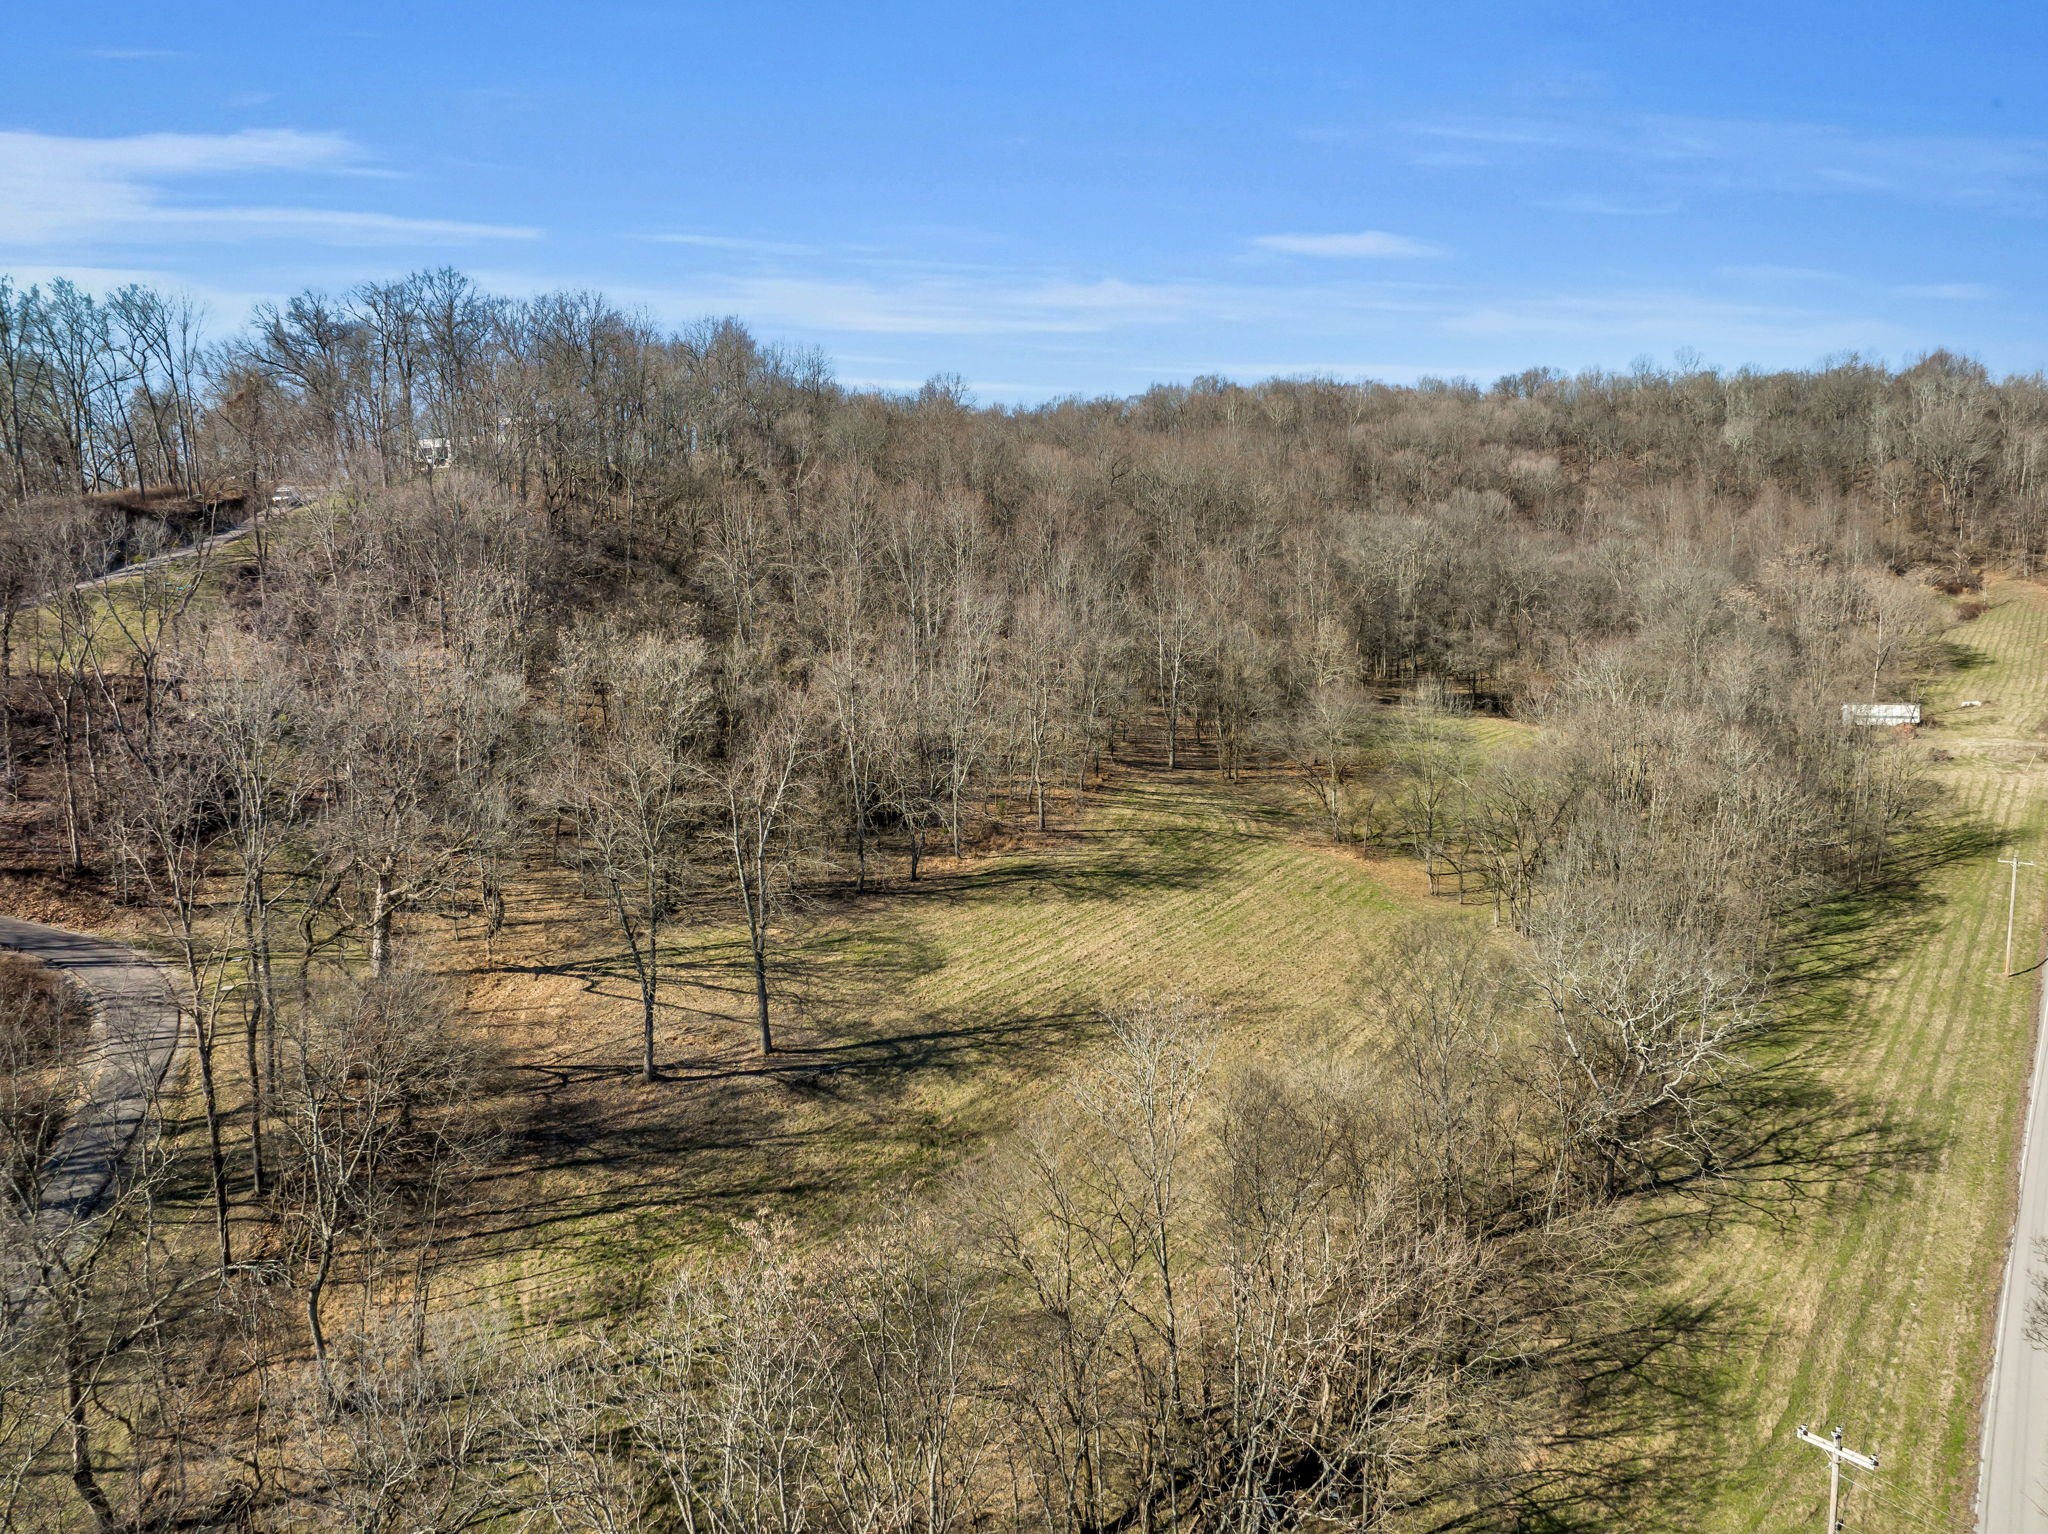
[650, 982]
[381, 910]
[857, 797]
[7, 702]
[255, 1017]
[216, 1157]
[757, 925]
[75, 851]
[761, 992]
[316, 1292]
[83, 1477]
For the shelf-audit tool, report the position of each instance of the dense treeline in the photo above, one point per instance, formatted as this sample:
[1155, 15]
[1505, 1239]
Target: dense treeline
[691, 621]
[575, 402]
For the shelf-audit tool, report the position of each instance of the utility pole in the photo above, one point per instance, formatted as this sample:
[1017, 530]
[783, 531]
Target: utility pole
[2012, 900]
[1832, 1447]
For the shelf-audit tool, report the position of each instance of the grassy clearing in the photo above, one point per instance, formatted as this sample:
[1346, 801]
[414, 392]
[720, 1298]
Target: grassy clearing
[1870, 1305]
[919, 1021]
[1491, 733]
[112, 614]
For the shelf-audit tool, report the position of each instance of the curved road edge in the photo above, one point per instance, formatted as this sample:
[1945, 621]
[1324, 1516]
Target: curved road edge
[137, 1029]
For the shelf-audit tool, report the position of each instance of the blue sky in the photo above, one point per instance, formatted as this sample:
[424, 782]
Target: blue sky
[1077, 198]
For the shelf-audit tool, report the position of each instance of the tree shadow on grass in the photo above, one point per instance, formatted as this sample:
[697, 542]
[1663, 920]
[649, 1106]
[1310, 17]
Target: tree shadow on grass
[1168, 861]
[1640, 1386]
[1788, 1130]
[1789, 1127]
[622, 1173]
[1646, 1389]
[1847, 935]
[805, 970]
[1956, 655]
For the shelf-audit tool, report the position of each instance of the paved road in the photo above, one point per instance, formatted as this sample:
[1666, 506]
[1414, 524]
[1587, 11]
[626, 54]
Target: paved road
[158, 561]
[2012, 1486]
[136, 1033]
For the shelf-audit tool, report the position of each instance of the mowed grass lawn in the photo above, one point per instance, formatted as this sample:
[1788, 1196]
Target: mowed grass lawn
[1870, 1305]
[917, 1022]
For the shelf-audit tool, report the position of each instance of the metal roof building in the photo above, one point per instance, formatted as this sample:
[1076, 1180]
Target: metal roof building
[1881, 713]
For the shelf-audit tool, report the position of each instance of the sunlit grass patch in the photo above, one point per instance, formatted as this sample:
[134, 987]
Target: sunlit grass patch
[919, 1020]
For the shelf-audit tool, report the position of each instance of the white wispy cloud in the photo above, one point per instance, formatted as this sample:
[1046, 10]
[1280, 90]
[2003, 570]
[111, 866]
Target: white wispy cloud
[1772, 275]
[328, 226]
[1946, 292]
[65, 191]
[1809, 276]
[1016, 304]
[1765, 271]
[874, 314]
[1366, 244]
[1349, 309]
[1350, 371]
[886, 299]
[739, 244]
[1708, 154]
[1607, 207]
[1663, 320]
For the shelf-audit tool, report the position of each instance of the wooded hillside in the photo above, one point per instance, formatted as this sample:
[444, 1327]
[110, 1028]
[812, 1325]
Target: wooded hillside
[691, 640]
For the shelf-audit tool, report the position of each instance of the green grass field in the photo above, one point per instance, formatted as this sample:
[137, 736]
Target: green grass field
[918, 1022]
[109, 619]
[1869, 1303]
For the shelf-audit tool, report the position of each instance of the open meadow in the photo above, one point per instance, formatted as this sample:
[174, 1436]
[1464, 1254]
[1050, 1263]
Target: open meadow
[919, 1020]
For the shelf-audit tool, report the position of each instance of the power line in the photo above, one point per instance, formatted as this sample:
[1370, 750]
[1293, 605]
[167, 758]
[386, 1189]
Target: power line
[1916, 1514]
[1832, 1447]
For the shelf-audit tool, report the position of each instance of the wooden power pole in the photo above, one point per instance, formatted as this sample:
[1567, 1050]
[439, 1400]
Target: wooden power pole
[2012, 900]
[1832, 1447]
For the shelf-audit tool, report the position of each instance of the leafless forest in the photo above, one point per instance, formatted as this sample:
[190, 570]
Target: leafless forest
[712, 634]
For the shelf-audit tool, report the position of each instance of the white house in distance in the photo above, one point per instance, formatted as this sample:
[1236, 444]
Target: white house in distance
[1881, 713]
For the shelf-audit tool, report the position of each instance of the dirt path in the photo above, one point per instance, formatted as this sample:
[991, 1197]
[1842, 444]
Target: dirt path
[136, 1032]
[159, 561]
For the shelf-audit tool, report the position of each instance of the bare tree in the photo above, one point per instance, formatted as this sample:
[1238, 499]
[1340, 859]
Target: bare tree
[380, 1116]
[1323, 736]
[638, 712]
[1645, 1022]
[419, 747]
[757, 789]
